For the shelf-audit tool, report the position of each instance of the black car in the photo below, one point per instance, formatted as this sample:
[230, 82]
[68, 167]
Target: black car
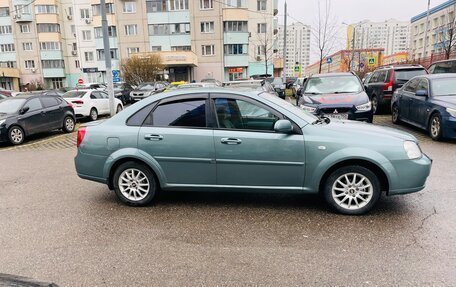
[443, 67]
[24, 115]
[336, 95]
[385, 80]
[428, 102]
[122, 92]
[278, 85]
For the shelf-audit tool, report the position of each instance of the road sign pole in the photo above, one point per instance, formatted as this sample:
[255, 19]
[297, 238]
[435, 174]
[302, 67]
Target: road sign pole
[107, 54]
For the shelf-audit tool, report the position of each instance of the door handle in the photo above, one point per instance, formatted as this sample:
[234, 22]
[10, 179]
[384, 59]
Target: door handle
[153, 137]
[230, 141]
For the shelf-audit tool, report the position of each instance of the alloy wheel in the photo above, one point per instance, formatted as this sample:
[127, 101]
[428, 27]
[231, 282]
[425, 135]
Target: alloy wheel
[352, 191]
[69, 124]
[134, 184]
[435, 127]
[16, 135]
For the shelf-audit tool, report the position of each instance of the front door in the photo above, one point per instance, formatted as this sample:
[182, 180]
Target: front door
[408, 92]
[176, 135]
[35, 119]
[418, 105]
[249, 153]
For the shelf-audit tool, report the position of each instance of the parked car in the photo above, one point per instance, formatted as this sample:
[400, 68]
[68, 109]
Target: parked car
[122, 92]
[91, 86]
[443, 67]
[428, 102]
[385, 80]
[147, 89]
[366, 78]
[25, 115]
[6, 93]
[91, 103]
[210, 80]
[197, 85]
[227, 140]
[55, 93]
[2, 97]
[336, 95]
[278, 85]
[298, 84]
[174, 85]
[259, 85]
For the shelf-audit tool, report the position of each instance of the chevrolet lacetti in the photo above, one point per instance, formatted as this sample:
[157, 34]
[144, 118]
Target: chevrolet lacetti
[228, 140]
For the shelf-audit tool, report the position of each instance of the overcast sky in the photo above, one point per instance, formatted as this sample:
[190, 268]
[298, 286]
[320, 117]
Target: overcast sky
[352, 11]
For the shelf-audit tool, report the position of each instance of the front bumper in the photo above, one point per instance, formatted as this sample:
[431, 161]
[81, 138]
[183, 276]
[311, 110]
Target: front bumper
[411, 175]
[344, 112]
[449, 127]
[3, 134]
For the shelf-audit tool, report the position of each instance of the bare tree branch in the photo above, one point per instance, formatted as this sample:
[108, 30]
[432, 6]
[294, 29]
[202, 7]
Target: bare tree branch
[139, 69]
[325, 32]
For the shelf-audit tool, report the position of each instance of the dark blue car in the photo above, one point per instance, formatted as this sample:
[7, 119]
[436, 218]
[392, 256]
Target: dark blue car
[428, 102]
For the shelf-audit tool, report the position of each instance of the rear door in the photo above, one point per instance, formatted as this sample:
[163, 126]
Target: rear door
[177, 136]
[54, 112]
[99, 102]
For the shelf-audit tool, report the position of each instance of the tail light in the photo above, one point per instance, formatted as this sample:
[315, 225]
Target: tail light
[388, 87]
[81, 135]
[78, 102]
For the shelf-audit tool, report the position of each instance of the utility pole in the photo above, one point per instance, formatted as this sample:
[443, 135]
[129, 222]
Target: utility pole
[107, 54]
[352, 66]
[285, 45]
[426, 30]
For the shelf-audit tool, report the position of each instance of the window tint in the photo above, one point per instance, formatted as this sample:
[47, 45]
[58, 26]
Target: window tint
[186, 113]
[140, 116]
[405, 75]
[374, 77]
[423, 85]
[238, 114]
[96, 95]
[411, 85]
[34, 104]
[382, 76]
[103, 95]
[49, 101]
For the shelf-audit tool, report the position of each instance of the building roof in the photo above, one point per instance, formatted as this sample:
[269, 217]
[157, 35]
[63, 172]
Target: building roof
[433, 10]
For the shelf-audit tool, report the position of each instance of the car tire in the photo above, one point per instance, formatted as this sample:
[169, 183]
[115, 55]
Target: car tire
[68, 124]
[93, 114]
[395, 115]
[134, 184]
[16, 135]
[375, 105]
[352, 190]
[119, 109]
[435, 127]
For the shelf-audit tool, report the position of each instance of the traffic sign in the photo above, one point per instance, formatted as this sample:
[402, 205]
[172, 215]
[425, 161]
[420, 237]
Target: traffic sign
[329, 60]
[81, 81]
[371, 61]
[361, 65]
[297, 68]
[115, 76]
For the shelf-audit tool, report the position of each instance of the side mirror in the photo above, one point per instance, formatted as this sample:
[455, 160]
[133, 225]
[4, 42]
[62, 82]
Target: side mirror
[24, 110]
[283, 126]
[421, 93]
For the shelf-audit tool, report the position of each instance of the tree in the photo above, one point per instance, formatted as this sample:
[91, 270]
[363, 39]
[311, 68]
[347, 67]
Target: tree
[447, 33]
[265, 49]
[325, 31]
[141, 68]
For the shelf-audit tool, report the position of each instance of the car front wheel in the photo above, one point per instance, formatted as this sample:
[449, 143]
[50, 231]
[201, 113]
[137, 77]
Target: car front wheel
[134, 184]
[435, 127]
[16, 135]
[352, 190]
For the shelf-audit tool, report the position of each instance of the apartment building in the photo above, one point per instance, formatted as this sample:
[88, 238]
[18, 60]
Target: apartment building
[391, 35]
[440, 18]
[298, 46]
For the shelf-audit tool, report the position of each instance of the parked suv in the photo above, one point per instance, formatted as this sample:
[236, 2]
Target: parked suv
[385, 80]
[443, 67]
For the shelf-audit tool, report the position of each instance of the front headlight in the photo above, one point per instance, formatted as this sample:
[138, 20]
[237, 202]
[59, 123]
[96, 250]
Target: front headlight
[308, 108]
[364, 107]
[2, 122]
[452, 112]
[412, 149]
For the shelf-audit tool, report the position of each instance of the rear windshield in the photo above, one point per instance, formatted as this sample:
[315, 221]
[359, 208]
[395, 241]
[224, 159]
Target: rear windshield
[405, 75]
[74, 94]
[443, 87]
[11, 106]
[442, 68]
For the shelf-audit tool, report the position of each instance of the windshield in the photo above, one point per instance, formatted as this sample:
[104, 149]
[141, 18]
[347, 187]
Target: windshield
[405, 75]
[443, 87]
[11, 106]
[146, 87]
[333, 85]
[74, 94]
[444, 67]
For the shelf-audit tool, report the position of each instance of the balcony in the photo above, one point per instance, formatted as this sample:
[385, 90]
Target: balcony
[168, 17]
[236, 38]
[51, 55]
[22, 18]
[236, 60]
[54, 73]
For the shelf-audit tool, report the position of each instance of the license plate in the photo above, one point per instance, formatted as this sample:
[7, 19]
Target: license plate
[337, 116]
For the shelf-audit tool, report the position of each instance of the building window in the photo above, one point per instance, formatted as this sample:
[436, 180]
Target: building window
[88, 56]
[57, 83]
[235, 3]
[24, 28]
[52, 64]
[112, 32]
[29, 64]
[27, 46]
[261, 50]
[85, 14]
[4, 11]
[178, 5]
[235, 26]
[181, 48]
[261, 5]
[22, 9]
[96, 9]
[8, 64]
[101, 56]
[48, 28]
[5, 29]
[86, 35]
[156, 6]
[77, 64]
[169, 29]
[207, 27]
[236, 49]
[155, 48]
[132, 50]
[206, 4]
[129, 7]
[50, 46]
[7, 48]
[261, 28]
[131, 30]
[208, 50]
[45, 9]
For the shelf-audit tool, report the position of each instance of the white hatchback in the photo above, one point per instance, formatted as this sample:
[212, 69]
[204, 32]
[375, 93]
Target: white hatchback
[91, 103]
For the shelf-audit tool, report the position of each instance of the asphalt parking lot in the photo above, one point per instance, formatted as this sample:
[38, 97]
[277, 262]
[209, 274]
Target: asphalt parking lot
[58, 228]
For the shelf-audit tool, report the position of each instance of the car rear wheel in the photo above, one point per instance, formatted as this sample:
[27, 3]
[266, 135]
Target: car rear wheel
[435, 127]
[16, 135]
[68, 124]
[134, 184]
[119, 109]
[93, 114]
[395, 114]
[352, 190]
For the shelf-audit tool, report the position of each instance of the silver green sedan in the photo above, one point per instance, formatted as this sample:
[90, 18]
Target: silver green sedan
[227, 140]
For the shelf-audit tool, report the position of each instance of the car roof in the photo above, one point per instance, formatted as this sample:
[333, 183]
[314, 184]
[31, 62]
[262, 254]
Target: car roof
[438, 76]
[444, 61]
[332, 75]
[399, 67]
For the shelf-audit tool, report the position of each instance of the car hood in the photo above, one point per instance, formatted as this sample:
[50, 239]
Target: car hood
[5, 116]
[336, 99]
[143, 91]
[445, 101]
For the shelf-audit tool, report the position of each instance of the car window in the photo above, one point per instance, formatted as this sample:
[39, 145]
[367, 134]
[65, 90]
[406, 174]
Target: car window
[33, 104]
[405, 75]
[49, 102]
[239, 114]
[382, 76]
[74, 94]
[423, 85]
[103, 95]
[374, 77]
[444, 67]
[185, 113]
[412, 85]
[96, 95]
